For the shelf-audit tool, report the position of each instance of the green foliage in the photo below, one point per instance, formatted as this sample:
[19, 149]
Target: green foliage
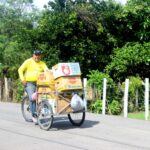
[19, 91]
[101, 35]
[133, 22]
[135, 87]
[15, 41]
[129, 60]
[96, 78]
[57, 5]
[96, 106]
[80, 31]
[114, 108]
[73, 31]
[135, 84]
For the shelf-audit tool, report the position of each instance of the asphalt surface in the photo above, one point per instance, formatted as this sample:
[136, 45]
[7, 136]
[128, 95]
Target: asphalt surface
[99, 132]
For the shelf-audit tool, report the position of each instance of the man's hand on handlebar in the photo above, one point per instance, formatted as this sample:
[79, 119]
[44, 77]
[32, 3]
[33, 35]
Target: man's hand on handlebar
[24, 82]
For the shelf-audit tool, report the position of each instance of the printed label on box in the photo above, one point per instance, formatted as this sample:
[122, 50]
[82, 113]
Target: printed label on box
[66, 69]
[45, 78]
[68, 83]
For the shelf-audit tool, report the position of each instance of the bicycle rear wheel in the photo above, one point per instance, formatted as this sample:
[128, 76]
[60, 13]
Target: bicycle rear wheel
[25, 109]
[45, 115]
[77, 118]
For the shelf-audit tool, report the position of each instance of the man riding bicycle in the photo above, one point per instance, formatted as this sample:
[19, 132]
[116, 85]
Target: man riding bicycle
[28, 73]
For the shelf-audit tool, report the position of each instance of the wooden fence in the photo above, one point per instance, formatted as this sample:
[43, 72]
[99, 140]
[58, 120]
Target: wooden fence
[7, 90]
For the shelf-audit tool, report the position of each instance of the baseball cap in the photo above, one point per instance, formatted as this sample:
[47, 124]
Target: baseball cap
[37, 52]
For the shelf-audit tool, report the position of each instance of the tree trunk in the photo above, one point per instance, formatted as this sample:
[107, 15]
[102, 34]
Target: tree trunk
[136, 102]
[1, 86]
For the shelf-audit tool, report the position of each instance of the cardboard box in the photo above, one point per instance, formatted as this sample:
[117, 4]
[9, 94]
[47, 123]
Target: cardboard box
[59, 104]
[45, 78]
[68, 83]
[45, 93]
[63, 107]
[66, 69]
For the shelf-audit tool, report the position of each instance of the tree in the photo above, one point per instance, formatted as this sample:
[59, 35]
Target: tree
[130, 60]
[75, 33]
[15, 26]
[133, 26]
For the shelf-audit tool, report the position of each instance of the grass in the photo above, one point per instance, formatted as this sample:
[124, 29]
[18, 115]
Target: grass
[138, 115]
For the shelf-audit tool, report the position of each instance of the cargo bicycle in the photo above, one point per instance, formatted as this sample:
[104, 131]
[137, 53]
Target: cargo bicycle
[48, 109]
[59, 92]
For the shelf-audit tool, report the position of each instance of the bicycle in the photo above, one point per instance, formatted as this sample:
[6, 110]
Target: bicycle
[46, 111]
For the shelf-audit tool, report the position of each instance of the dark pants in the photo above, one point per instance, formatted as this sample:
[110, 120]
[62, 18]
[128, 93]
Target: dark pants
[30, 89]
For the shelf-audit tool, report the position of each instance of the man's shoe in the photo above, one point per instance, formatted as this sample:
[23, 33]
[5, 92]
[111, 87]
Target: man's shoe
[35, 120]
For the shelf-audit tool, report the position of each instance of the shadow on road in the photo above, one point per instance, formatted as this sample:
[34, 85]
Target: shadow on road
[63, 123]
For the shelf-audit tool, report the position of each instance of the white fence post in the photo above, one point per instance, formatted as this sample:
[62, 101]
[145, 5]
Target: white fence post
[104, 96]
[85, 91]
[146, 98]
[126, 98]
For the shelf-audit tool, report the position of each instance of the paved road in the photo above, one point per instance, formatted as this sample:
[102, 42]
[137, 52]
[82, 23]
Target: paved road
[97, 133]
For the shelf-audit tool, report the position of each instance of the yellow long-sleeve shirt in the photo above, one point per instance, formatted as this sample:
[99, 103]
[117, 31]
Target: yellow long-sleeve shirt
[30, 69]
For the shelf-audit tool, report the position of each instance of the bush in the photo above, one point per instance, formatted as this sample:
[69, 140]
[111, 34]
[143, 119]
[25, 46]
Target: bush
[19, 91]
[114, 108]
[95, 80]
[96, 107]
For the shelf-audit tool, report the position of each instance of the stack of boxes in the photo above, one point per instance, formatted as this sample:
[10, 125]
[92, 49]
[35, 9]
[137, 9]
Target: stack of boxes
[45, 82]
[67, 76]
[63, 77]
[46, 88]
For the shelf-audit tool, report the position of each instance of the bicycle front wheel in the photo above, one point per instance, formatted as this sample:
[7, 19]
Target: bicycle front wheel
[45, 115]
[25, 109]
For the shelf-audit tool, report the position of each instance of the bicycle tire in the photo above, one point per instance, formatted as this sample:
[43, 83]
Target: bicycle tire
[77, 118]
[45, 115]
[25, 109]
